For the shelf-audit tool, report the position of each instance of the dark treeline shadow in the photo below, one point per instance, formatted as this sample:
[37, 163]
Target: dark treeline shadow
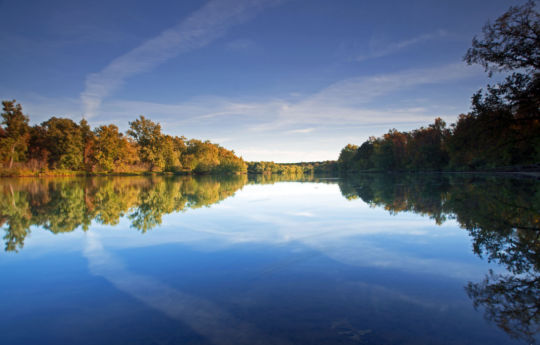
[65, 204]
[502, 130]
[502, 216]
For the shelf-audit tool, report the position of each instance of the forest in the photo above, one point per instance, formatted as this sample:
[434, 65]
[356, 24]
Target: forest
[266, 168]
[60, 146]
[502, 130]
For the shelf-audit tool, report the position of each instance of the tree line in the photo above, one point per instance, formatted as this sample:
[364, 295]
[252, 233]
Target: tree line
[266, 168]
[64, 146]
[502, 130]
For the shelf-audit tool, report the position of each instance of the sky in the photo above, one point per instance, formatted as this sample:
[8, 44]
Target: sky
[279, 80]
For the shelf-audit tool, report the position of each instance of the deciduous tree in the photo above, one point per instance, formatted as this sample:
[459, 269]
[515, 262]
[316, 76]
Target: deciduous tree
[14, 141]
[148, 136]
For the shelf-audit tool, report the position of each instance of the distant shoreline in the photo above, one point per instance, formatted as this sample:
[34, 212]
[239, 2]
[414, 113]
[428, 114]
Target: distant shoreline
[534, 173]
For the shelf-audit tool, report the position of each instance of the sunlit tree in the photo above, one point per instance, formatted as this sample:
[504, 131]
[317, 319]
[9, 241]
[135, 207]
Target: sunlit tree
[63, 139]
[14, 139]
[149, 139]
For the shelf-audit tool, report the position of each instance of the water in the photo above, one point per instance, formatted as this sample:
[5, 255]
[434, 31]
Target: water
[374, 259]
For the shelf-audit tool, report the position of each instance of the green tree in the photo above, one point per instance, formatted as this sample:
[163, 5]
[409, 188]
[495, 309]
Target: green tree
[463, 144]
[110, 147]
[88, 143]
[63, 138]
[346, 157]
[390, 152]
[149, 139]
[508, 113]
[364, 156]
[511, 42]
[229, 163]
[173, 148]
[426, 147]
[206, 156]
[38, 148]
[14, 142]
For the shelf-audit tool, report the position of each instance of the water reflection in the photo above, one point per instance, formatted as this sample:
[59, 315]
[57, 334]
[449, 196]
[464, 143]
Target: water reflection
[502, 216]
[200, 314]
[63, 205]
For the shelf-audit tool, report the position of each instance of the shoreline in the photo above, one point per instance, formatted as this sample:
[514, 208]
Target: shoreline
[517, 173]
[52, 173]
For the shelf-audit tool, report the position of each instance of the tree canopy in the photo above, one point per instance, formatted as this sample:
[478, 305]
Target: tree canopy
[15, 134]
[511, 42]
[64, 145]
[503, 128]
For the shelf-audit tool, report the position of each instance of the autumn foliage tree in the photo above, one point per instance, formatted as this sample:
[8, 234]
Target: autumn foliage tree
[62, 144]
[63, 139]
[503, 128]
[507, 114]
[15, 133]
[110, 148]
[149, 139]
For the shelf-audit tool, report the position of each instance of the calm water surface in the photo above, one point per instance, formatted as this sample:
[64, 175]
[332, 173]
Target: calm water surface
[371, 260]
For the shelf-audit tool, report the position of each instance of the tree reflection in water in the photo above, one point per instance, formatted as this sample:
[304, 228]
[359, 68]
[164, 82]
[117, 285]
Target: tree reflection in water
[502, 216]
[65, 204]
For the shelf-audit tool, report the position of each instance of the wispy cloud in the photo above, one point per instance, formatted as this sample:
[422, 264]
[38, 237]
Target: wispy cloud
[203, 316]
[302, 214]
[345, 111]
[315, 125]
[301, 130]
[352, 101]
[394, 47]
[199, 29]
[354, 238]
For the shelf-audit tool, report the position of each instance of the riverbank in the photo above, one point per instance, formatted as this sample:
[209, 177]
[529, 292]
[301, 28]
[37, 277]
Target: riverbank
[284, 169]
[77, 173]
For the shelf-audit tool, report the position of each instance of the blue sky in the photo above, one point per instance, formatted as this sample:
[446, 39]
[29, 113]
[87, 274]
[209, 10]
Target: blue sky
[281, 80]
